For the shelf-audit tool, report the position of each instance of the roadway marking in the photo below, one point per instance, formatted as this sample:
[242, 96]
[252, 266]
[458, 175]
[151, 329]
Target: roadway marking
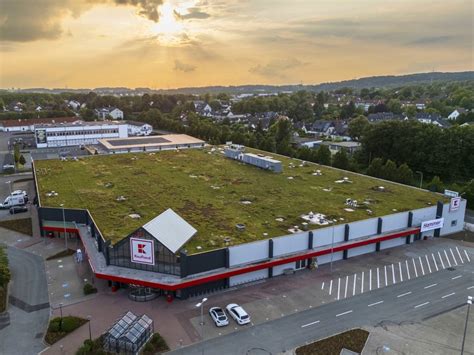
[404, 294]
[330, 288]
[393, 274]
[421, 305]
[470, 287]
[378, 278]
[456, 277]
[422, 268]
[416, 271]
[449, 295]
[354, 285]
[400, 269]
[434, 262]
[312, 323]
[408, 270]
[440, 258]
[428, 262]
[322, 286]
[459, 253]
[467, 256]
[429, 286]
[370, 280]
[344, 313]
[374, 304]
[345, 291]
[455, 261]
[362, 284]
[385, 270]
[446, 254]
[338, 288]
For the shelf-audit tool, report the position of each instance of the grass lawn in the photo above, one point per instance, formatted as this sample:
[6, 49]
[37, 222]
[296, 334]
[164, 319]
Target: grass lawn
[207, 190]
[22, 225]
[353, 340]
[58, 330]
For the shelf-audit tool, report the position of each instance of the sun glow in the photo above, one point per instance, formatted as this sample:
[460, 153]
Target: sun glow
[169, 29]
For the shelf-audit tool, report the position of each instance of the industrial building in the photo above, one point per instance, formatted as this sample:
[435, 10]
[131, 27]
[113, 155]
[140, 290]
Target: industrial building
[186, 222]
[150, 143]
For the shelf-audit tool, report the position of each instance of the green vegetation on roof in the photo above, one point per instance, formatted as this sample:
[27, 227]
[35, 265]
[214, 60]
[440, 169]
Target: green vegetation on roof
[214, 193]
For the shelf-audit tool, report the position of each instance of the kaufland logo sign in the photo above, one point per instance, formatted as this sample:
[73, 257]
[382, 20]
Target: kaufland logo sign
[142, 251]
[433, 224]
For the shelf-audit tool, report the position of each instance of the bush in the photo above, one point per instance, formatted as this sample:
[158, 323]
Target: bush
[58, 330]
[155, 345]
[89, 289]
[4, 278]
[92, 347]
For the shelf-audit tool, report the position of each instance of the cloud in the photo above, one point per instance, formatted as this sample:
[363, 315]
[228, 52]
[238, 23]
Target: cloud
[276, 68]
[21, 21]
[180, 66]
[193, 13]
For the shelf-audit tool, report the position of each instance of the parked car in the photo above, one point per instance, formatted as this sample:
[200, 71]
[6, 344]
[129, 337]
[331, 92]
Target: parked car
[18, 209]
[218, 316]
[238, 313]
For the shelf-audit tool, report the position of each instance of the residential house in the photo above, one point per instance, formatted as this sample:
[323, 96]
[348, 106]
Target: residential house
[139, 128]
[340, 131]
[320, 128]
[301, 142]
[385, 116]
[349, 147]
[202, 108]
[75, 105]
[467, 124]
[16, 107]
[109, 112]
[455, 114]
[431, 118]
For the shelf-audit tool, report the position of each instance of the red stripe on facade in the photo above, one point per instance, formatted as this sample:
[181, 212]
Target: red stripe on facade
[60, 229]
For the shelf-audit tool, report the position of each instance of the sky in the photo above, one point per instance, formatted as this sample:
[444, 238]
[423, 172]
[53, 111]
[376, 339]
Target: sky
[183, 43]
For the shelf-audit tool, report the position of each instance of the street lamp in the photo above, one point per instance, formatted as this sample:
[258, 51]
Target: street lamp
[64, 224]
[201, 304]
[332, 246]
[421, 178]
[469, 302]
[90, 332]
[61, 319]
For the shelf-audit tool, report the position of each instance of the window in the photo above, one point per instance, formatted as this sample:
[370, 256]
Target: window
[454, 223]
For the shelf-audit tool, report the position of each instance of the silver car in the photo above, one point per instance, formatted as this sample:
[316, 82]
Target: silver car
[218, 316]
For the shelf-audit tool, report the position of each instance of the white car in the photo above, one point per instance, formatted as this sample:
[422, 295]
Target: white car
[218, 316]
[18, 193]
[238, 313]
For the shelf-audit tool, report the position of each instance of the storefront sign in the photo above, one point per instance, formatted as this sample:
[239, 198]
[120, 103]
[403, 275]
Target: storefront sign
[451, 193]
[433, 224]
[142, 251]
[455, 204]
[41, 136]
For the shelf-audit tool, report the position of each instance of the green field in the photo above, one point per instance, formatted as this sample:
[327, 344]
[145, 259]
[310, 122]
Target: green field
[207, 190]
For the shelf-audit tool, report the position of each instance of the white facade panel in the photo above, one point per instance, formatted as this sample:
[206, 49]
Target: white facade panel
[394, 221]
[453, 220]
[324, 259]
[392, 243]
[361, 250]
[324, 236]
[363, 228]
[248, 277]
[423, 214]
[248, 253]
[279, 269]
[290, 244]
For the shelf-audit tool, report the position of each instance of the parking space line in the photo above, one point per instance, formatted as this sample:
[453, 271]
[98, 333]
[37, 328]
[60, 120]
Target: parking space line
[370, 280]
[429, 286]
[362, 284]
[467, 256]
[440, 258]
[434, 262]
[421, 264]
[374, 304]
[385, 270]
[421, 305]
[393, 274]
[345, 291]
[338, 287]
[344, 313]
[408, 270]
[428, 262]
[404, 294]
[446, 254]
[322, 286]
[416, 271]
[378, 278]
[330, 288]
[354, 285]
[456, 277]
[460, 257]
[312, 323]
[451, 294]
[400, 269]
[455, 261]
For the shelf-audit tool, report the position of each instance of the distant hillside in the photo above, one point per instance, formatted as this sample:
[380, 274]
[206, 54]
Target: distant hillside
[368, 82]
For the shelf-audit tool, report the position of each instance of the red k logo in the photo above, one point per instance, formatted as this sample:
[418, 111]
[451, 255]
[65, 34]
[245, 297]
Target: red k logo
[141, 248]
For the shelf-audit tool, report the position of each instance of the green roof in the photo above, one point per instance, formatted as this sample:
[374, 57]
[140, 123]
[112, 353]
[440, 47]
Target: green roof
[214, 194]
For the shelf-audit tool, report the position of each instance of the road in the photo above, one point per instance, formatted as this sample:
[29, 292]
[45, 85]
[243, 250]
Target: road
[469, 217]
[412, 300]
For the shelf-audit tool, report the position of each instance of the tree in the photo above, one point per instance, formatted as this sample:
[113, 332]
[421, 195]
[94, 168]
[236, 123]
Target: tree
[358, 126]
[389, 170]
[341, 160]
[435, 185]
[404, 174]
[468, 193]
[323, 155]
[22, 160]
[348, 110]
[16, 153]
[282, 131]
[375, 168]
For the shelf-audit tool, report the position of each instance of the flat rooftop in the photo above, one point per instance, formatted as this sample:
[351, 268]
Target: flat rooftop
[214, 194]
[149, 141]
